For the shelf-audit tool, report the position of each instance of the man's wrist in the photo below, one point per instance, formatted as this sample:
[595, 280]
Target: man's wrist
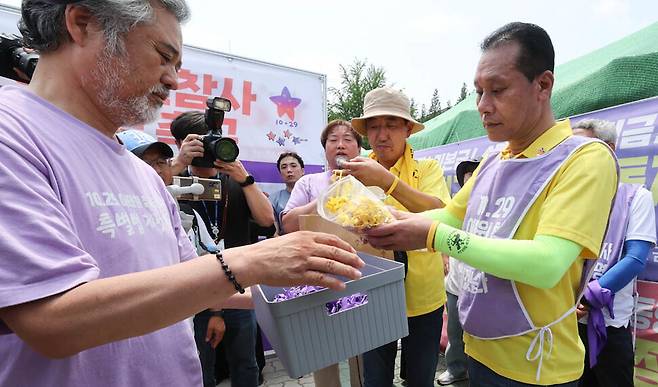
[239, 265]
[177, 166]
[431, 235]
[247, 181]
[386, 181]
[391, 187]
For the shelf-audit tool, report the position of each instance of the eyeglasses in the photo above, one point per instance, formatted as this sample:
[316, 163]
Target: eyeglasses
[158, 163]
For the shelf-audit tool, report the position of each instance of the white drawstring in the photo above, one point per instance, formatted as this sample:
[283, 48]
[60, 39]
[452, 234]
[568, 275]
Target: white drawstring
[544, 333]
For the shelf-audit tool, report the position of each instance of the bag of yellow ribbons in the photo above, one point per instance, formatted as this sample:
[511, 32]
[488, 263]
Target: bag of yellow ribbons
[352, 205]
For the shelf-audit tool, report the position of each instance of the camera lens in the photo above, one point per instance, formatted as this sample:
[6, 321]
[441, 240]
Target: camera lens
[226, 149]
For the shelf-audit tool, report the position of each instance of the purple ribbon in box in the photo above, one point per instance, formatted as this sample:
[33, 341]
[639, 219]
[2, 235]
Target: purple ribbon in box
[340, 305]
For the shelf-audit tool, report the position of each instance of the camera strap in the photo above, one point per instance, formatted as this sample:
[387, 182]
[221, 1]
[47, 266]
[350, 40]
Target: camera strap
[214, 227]
[219, 230]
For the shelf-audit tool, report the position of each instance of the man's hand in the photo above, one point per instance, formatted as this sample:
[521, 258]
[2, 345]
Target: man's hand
[369, 172]
[190, 148]
[581, 311]
[234, 169]
[408, 232]
[215, 331]
[300, 258]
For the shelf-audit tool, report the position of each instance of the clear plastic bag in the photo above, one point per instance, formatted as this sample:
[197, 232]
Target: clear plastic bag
[352, 205]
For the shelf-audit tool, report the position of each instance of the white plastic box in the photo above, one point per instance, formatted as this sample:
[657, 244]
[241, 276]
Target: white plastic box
[306, 338]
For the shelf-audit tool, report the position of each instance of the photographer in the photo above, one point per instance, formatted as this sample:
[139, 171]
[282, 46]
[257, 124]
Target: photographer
[158, 156]
[228, 222]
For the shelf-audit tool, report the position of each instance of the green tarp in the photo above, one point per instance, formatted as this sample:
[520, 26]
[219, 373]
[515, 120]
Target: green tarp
[621, 72]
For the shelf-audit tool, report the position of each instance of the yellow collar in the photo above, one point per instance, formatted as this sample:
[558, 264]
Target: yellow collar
[547, 141]
[398, 165]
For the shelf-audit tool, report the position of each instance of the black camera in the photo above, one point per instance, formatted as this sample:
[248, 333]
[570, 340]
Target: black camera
[216, 147]
[13, 56]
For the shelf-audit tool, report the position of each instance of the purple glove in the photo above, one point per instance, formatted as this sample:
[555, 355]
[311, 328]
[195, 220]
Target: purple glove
[597, 298]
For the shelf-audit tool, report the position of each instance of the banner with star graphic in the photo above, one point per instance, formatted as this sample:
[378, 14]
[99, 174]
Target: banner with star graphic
[275, 109]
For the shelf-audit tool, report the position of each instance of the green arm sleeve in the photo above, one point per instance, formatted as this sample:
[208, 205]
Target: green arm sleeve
[444, 217]
[540, 262]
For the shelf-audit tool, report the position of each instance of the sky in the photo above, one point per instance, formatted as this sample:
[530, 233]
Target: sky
[421, 44]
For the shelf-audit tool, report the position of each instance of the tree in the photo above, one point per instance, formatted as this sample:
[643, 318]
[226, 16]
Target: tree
[462, 94]
[413, 109]
[435, 103]
[356, 81]
[435, 107]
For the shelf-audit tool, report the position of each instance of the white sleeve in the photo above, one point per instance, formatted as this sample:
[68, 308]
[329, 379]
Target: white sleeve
[642, 222]
[204, 235]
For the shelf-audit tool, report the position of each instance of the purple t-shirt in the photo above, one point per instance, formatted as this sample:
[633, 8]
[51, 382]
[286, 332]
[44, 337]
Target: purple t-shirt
[307, 188]
[77, 206]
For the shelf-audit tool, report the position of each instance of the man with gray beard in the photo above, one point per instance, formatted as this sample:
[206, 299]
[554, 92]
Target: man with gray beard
[96, 273]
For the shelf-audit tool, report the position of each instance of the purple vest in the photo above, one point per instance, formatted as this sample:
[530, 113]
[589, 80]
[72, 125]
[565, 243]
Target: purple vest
[503, 192]
[613, 243]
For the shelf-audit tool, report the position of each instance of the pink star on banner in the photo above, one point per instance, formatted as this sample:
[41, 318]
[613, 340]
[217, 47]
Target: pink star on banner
[285, 103]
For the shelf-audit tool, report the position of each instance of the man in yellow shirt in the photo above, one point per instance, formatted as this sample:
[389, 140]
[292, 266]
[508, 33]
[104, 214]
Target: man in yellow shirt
[411, 185]
[523, 224]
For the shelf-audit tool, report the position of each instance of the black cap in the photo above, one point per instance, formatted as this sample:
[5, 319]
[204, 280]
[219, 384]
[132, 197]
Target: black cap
[463, 168]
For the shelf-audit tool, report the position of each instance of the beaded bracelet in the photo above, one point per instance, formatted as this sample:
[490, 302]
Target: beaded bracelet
[229, 273]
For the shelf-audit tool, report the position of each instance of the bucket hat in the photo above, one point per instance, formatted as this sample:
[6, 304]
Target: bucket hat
[385, 101]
